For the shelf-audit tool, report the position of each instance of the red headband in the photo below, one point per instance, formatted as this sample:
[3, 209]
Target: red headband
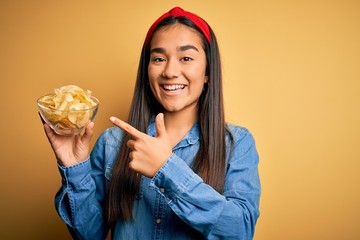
[179, 12]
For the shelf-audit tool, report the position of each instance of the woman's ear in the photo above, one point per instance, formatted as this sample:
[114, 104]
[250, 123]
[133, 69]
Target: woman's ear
[206, 79]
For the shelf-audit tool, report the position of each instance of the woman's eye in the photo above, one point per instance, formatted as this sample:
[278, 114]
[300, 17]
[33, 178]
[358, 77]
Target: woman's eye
[187, 59]
[158, 59]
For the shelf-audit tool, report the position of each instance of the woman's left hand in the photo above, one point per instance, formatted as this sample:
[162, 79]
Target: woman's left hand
[148, 153]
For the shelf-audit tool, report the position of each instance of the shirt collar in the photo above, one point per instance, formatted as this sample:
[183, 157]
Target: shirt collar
[192, 137]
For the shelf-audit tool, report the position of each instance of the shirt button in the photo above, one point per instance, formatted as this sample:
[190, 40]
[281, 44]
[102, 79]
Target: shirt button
[162, 190]
[158, 221]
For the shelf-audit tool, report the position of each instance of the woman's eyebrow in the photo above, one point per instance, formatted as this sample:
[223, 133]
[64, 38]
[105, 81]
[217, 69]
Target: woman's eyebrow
[188, 47]
[157, 50]
[181, 48]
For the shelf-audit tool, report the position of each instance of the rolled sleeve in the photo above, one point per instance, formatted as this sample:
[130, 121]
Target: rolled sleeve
[174, 178]
[77, 176]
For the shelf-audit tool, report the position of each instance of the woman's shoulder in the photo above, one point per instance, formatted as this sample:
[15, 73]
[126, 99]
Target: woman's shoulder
[238, 133]
[240, 143]
[111, 136]
[105, 151]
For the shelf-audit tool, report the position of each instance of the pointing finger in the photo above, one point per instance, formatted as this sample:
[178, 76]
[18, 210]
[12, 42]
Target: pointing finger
[126, 127]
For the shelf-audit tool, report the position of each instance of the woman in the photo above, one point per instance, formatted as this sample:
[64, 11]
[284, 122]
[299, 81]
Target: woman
[176, 170]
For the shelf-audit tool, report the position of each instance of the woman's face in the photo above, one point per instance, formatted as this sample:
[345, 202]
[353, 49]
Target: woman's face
[177, 68]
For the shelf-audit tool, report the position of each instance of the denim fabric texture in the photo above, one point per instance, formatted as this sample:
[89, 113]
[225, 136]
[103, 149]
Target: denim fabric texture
[175, 203]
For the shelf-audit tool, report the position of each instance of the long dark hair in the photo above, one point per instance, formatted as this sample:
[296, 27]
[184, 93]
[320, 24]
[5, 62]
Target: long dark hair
[209, 162]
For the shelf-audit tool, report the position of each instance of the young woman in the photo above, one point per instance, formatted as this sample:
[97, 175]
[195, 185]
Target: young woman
[176, 170]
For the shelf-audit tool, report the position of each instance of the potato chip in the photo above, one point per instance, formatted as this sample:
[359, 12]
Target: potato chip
[69, 107]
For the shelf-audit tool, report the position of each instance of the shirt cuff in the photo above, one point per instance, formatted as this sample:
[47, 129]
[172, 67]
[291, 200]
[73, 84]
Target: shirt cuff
[174, 178]
[76, 176]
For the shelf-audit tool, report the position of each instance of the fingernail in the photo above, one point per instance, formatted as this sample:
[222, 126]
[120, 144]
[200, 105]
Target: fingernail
[112, 119]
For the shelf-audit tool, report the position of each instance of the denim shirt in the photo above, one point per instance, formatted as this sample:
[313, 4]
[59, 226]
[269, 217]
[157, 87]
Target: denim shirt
[175, 203]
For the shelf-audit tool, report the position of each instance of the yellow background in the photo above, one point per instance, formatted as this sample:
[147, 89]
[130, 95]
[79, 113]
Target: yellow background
[291, 75]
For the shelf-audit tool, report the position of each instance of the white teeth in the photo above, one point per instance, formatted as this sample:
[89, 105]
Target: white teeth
[173, 87]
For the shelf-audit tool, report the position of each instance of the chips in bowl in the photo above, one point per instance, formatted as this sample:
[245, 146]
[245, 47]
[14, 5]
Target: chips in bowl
[68, 110]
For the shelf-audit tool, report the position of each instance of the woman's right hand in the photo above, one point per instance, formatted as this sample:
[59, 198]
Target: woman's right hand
[70, 150]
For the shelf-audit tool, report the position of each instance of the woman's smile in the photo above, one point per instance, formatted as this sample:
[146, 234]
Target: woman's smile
[173, 87]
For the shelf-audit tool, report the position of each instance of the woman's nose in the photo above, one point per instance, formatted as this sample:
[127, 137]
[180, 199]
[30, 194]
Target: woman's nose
[172, 69]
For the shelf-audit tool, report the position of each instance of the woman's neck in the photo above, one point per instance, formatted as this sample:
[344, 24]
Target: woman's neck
[178, 124]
